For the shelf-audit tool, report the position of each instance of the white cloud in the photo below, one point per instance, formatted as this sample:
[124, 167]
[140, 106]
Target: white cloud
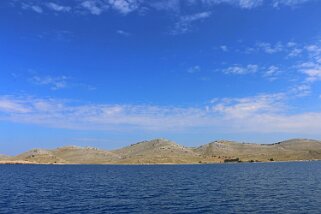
[101, 117]
[250, 3]
[194, 69]
[9, 105]
[301, 90]
[311, 67]
[94, 7]
[244, 107]
[278, 3]
[123, 33]
[291, 49]
[238, 69]
[97, 7]
[244, 4]
[269, 48]
[313, 49]
[272, 72]
[291, 44]
[57, 7]
[196, 16]
[295, 52]
[35, 8]
[55, 83]
[267, 113]
[313, 74]
[167, 5]
[124, 6]
[224, 48]
[185, 22]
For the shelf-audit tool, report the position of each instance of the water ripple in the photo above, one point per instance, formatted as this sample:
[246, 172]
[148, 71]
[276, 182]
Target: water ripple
[227, 188]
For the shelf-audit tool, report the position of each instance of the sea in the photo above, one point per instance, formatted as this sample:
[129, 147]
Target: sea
[286, 187]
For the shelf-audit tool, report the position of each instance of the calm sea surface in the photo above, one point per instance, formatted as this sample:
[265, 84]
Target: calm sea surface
[225, 188]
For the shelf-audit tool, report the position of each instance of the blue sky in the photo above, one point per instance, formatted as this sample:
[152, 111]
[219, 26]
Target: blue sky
[108, 73]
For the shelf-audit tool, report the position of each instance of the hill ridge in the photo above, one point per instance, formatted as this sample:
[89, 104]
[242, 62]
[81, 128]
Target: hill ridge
[161, 150]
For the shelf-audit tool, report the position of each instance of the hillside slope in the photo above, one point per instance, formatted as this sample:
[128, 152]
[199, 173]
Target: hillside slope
[158, 151]
[162, 151]
[295, 149]
[85, 155]
[4, 157]
[70, 154]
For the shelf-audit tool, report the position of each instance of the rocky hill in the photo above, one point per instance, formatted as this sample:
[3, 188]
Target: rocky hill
[85, 155]
[70, 154]
[162, 151]
[3, 157]
[295, 149]
[157, 151]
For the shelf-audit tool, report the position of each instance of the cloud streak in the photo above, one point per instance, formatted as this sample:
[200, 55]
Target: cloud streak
[55, 83]
[266, 113]
[97, 7]
[57, 7]
[185, 22]
[241, 70]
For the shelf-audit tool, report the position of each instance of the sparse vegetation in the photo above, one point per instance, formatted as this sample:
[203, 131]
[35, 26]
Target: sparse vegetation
[231, 160]
[164, 151]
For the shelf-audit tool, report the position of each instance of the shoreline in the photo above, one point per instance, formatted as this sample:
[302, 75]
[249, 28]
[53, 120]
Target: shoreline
[7, 162]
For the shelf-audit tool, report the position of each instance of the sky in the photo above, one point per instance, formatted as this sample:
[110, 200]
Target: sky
[109, 73]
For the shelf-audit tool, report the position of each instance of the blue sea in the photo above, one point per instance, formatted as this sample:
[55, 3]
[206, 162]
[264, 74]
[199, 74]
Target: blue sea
[215, 188]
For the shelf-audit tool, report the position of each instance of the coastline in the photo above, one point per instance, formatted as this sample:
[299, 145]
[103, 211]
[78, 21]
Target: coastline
[7, 162]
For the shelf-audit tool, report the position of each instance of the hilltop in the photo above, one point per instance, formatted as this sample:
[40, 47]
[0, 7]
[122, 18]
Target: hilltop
[162, 151]
[157, 151]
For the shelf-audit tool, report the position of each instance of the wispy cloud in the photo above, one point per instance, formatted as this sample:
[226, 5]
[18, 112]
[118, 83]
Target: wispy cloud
[57, 7]
[291, 49]
[244, 107]
[125, 6]
[272, 72]
[266, 113]
[94, 7]
[194, 69]
[313, 74]
[57, 35]
[9, 105]
[244, 4]
[269, 48]
[238, 69]
[224, 48]
[278, 3]
[311, 66]
[185, 22]
[33, 7]
[301, 90]
[54, 82]
[123, 33]
[97, 7]
[166, 5]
